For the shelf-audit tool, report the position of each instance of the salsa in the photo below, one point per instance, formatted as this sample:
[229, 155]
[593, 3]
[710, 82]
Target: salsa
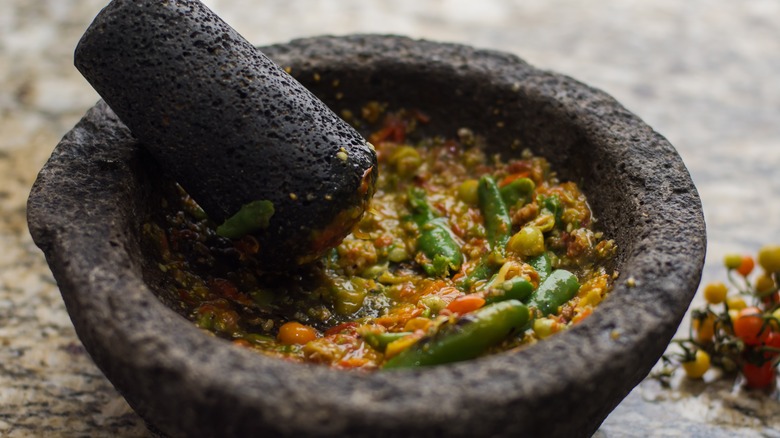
[460, 254]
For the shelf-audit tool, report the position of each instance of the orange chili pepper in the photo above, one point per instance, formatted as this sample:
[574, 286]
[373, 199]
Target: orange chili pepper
[746, 266]
[293, 332]
[466, 303]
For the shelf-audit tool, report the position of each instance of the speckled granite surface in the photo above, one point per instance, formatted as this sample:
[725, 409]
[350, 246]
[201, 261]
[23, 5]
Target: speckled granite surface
[702, 72]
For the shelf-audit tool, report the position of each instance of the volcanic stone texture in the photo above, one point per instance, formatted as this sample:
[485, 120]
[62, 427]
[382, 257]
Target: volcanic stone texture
[226, 122]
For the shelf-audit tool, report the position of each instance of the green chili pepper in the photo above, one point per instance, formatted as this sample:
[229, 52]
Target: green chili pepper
[516, 288]
[205, 320]
[542, 264]
[558, 288]
[482, 271]
[553, 205]
[435, 240]
[517, 190]
[252, 217]
[498, 225]
[466, 338]
[379, 341]
[262, 297]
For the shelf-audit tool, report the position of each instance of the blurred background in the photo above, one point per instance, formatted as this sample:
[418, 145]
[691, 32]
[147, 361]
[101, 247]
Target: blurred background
[704, 73]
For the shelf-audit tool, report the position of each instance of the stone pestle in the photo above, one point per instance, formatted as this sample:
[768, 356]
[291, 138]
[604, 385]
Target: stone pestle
[252, 146]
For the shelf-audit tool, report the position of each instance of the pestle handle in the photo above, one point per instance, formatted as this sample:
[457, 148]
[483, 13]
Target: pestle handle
[229, 125]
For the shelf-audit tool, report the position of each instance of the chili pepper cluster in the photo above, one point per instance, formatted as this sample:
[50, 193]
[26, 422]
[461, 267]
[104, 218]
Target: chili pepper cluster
[738, 330]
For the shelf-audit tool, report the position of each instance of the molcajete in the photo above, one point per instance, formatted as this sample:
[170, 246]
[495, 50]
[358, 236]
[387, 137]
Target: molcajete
[90, 200]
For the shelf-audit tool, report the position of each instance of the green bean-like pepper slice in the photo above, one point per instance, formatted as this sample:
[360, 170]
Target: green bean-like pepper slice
[435, 240]
[542, 264]
[482, 271]
[519, 189]
[466, 338]
[516, 288]
[558, 288]
[554, 205]
[251, 218]
[498, 225]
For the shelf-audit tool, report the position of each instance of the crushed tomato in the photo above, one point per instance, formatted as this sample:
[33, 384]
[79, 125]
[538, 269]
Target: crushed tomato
[374, 283]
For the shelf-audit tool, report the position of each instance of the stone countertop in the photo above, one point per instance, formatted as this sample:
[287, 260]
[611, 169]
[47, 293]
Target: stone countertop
[701, 72]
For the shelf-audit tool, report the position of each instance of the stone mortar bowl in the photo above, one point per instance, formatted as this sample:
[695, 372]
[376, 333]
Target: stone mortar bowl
[88, 204]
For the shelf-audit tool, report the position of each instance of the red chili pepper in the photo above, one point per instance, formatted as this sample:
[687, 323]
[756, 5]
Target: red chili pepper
[773, 341]
[421, 116]
[770, 300]
[348, 327]
[746, 266]
[393, 129]
[759, 376]
[749, 326]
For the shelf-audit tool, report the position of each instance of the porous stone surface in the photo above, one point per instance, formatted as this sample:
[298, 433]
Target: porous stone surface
[87, 205]
[228, 124]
